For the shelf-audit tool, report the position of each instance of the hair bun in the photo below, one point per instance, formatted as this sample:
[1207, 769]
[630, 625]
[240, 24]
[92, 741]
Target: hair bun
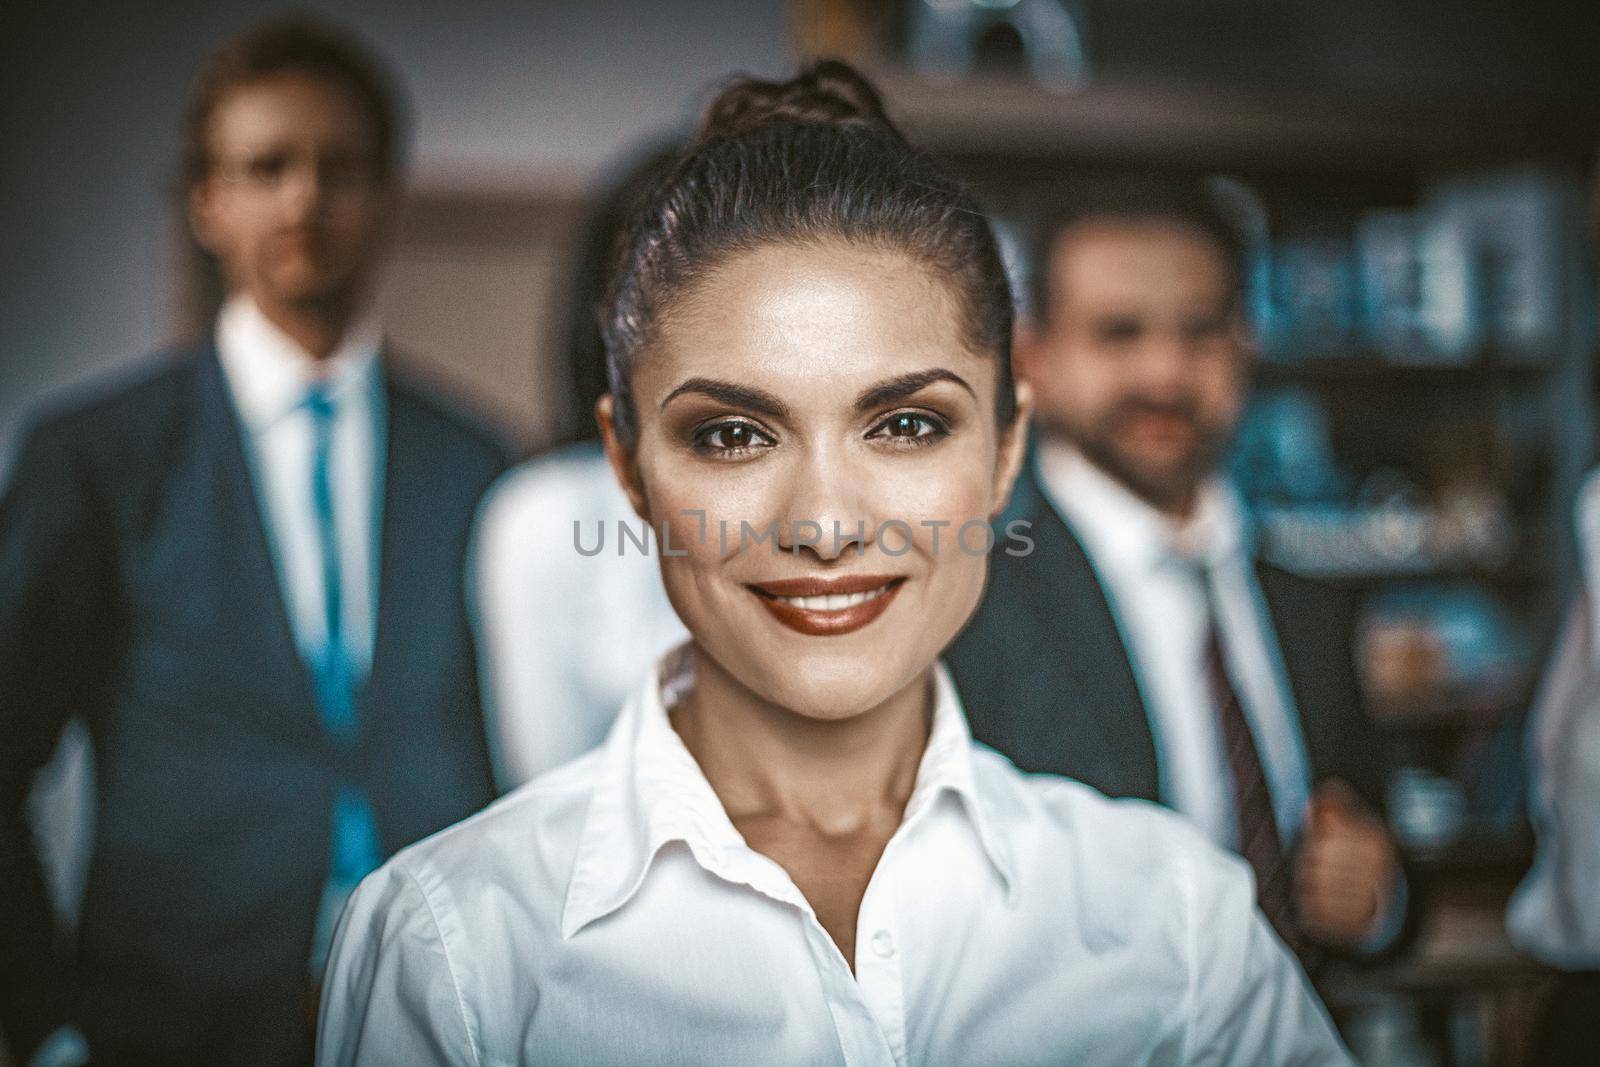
[828, 92]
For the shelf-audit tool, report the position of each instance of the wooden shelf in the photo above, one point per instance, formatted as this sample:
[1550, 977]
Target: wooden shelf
[1515, 575]
[1443, 716]
[1492, 856]
[1204, 128]
[1374, 372]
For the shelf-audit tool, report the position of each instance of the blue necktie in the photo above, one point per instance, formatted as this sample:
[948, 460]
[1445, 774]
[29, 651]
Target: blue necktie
[331, 668]
[356, 851]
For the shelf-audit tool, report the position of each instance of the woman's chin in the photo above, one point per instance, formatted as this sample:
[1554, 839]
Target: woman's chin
[835, 686]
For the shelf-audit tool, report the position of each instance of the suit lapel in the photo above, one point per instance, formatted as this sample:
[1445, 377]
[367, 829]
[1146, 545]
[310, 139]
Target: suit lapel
[259, 616]
[1087, 653]
[406, 556]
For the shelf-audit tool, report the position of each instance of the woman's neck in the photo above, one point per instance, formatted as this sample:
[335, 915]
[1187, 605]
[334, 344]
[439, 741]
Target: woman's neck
[833, 776]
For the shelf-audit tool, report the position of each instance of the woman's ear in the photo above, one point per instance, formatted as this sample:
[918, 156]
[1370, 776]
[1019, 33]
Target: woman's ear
[1013, 448]
[623, 458]
[1025, 348]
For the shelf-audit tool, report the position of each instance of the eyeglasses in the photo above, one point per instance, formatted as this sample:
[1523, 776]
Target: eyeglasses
[270, 171]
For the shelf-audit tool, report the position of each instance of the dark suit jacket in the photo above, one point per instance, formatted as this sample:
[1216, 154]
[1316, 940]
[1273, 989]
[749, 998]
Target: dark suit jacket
[136, 589]
[1046, 679]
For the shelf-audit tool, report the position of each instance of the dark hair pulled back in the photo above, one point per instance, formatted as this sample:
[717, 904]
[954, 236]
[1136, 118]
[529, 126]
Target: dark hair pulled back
[811, 159]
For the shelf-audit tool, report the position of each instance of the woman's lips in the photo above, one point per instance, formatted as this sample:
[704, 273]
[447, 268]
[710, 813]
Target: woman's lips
[827, 607]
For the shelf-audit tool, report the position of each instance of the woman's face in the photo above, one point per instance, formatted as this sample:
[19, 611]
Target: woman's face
[813, 435]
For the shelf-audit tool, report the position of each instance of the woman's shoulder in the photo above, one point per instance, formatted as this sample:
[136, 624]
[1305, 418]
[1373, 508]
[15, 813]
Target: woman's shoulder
[1119, 838]
[1136, 872]
[523, 843]
[454, 920]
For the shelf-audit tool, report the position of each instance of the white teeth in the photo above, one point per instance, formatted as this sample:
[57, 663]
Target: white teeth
[833, 601]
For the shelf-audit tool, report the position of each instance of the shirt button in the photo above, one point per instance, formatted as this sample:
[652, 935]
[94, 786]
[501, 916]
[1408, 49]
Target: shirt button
[883, 944]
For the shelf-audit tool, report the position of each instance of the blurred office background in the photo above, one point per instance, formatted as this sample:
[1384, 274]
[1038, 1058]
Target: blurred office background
[1412, 176]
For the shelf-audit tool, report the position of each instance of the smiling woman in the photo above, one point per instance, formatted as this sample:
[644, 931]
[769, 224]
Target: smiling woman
[789, 849]
[812, 388]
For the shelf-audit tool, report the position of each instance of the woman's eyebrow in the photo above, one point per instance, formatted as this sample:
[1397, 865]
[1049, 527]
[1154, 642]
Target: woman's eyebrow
[743, 396]
[898, 388]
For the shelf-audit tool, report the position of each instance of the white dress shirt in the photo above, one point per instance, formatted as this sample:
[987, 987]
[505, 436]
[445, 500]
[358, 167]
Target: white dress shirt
[268, 375]
[1147, 568]
[610, 913]
[1555, 914]
[563, 636]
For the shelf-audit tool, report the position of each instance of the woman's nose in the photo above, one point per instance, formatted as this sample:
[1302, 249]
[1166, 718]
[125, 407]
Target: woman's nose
[825, 511]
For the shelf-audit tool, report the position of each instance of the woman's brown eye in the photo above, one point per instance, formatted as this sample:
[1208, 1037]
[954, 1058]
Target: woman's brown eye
[910, 427]
[730, 438]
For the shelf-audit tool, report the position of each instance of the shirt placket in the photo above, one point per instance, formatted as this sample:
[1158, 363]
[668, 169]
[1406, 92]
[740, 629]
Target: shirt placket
[878, 976]
[862, 1041]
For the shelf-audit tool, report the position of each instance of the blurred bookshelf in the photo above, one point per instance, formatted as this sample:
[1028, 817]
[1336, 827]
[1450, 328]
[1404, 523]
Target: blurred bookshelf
[1421, 291]
[1369, 370]
[990, 121]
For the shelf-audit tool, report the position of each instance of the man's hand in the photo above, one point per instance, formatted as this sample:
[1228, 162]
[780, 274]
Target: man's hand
[1345, 871]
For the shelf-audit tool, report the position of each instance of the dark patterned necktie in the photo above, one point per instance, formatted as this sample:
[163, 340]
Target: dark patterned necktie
[1258, 841]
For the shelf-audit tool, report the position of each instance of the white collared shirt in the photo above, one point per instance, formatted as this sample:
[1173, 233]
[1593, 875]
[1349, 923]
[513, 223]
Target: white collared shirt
[1159, 600]
[1555, 913]
[610, 913]
[268, 375]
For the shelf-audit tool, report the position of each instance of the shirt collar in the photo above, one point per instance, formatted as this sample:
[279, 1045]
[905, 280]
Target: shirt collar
[650, 793]
[947, 768]
[269, 373]
[1217, 531]
[1125, 532]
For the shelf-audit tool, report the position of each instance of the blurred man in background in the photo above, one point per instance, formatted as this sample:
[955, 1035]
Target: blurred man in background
[242, 564]
[1141, 646]
[1555, 914]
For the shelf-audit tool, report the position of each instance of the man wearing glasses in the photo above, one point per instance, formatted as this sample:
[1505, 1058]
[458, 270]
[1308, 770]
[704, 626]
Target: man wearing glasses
[243, 567]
